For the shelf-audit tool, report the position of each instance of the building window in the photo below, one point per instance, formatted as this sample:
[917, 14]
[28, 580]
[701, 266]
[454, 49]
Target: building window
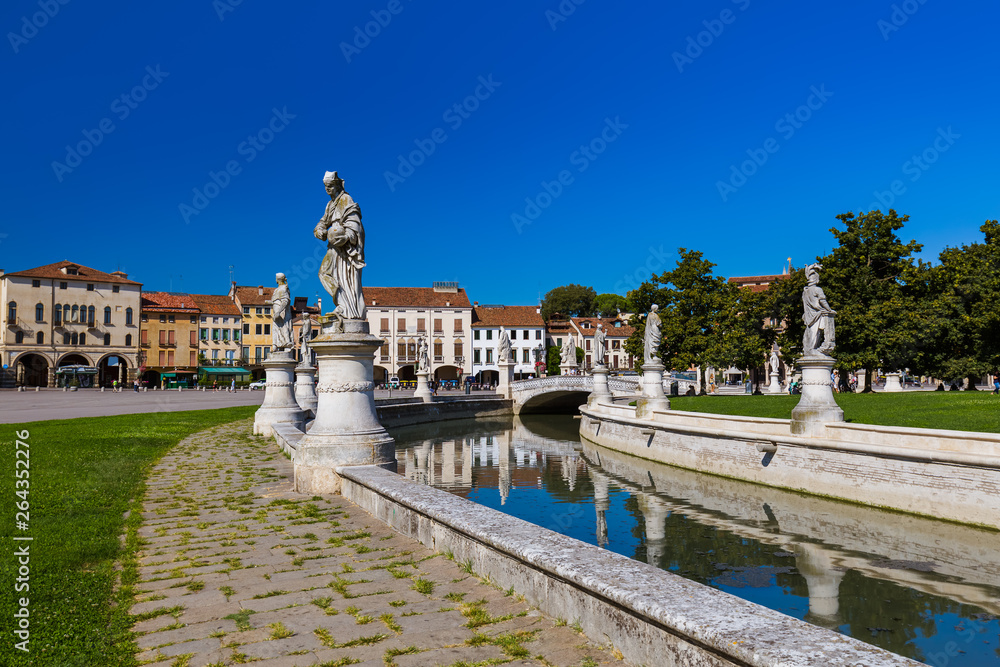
[215, 335]
[163, 317]
[128, 317]
[107, 339]
[458, 326]
[90, 314]
[128, 340]
[204, 334]
[267, 329]
[236, 335]
[163, 358]
[40, 338]
[107, 314]
[400, 351]
[12, 312]
[458, 349]
[401, 325]
[267, 310]
[246, 329]
[475, 356]
[384, 326]
[18, 337]
[225, 335]
[170, 357]
[438, 351]
[259, 329]
[489, 334]
[62, 285]
[39, 312]
[384, 352]
[36, 283]
[526, 356]
[90, 287]
[587, 344]
[66, 339]
[204, 319]
[538, 334]
[194, 319]
[259, 310]
[80, 339]
[215, 320]
[75, 313]
[115, 289]
[246, 311]
[421, 325]
[411, 350]
[144, 317]
[215, 355]
[66, 314]
[489, 355]
[438, 327]
[57, 315]
[171, 319]
[475, 334]
[246, 353]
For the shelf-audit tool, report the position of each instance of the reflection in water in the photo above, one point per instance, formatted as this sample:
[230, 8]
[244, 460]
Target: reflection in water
[918, 587]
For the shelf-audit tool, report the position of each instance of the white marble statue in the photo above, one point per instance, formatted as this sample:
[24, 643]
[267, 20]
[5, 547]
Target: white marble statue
[344, 234]
[281, 316]
[818, 316]
[567, 355]
[775, 361]
[423, 357]
[653, 337]
[600, 345]
[305, 335]
[503, 347]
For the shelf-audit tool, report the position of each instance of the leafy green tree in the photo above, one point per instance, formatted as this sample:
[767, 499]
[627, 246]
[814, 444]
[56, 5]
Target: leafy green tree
[608, 305]
[744, 336]
[872, 280]
[692, 302]
[570, 300]
[552, 361]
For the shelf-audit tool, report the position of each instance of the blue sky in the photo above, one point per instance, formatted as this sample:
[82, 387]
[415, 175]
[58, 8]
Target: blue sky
[590, 140]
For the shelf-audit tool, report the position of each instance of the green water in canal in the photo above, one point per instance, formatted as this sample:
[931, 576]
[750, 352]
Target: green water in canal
[925, 589]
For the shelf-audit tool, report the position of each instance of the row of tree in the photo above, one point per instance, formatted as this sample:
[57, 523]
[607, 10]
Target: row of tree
[894, 311]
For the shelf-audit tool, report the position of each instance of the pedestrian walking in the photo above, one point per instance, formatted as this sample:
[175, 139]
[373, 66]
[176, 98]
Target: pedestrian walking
[114, 385]
[232, 386]
[996, 384]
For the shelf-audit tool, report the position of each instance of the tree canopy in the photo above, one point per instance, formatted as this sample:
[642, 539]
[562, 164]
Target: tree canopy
[570, 300]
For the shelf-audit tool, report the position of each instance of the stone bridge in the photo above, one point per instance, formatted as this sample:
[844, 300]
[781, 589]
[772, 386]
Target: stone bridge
[564, 393]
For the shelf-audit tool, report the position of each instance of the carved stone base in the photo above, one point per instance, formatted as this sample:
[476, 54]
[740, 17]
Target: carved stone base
[423, 387]
[346, 430]
[892, 383]
[816, 407]
[279, 404]
[305, 387]
[775, 386]
[600, 390]
[506, 375]
[652, 398]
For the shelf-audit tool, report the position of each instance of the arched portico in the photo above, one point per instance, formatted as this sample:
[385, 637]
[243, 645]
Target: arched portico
[112, 367]
[31, 370]
[380, 374]
[407, 372]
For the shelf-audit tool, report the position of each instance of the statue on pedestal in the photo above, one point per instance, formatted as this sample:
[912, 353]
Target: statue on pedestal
[775, 362]
[600, 345]
[818, 316]
[653, 337]
[340, 271]
[281, 316]
[423, 358]
[503, 347]
[567, 355]
[305, 335]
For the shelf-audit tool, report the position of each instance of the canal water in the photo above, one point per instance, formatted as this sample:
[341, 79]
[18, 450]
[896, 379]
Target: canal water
[924, 589]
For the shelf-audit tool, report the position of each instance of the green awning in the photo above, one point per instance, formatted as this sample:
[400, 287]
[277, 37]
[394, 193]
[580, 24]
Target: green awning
[220, 370]
[172, 374]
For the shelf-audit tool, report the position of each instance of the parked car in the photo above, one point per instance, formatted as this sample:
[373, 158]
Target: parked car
[259, 384]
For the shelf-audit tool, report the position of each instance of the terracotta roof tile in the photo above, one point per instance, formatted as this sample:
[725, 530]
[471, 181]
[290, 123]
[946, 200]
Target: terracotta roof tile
[420, 297]
[215, 304]
[174, 302]
[623, 331]
[252, 296]
[86, 274]
[749, 280]
[507, 316]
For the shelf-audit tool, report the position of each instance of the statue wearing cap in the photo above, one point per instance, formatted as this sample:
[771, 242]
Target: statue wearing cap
[340, 271]
[281, 316]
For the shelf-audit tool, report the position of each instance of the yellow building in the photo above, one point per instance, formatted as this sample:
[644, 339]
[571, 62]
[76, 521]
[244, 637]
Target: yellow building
[255, 308]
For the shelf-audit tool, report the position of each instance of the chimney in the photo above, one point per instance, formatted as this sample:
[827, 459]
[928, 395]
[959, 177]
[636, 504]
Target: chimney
[319, 305]
[475, 303]
[260, 291]
[446, 303]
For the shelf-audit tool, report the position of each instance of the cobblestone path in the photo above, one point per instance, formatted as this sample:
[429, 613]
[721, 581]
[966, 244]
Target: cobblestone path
[238, 569]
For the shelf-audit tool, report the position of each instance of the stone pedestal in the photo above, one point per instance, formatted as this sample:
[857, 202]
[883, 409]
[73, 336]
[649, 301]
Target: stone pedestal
[506, 377]
[601, 390]
[652, 397]
[423, 387]
[816, 407]
[279, 404]
[775, 386]
[346, 430]
[861, 381]
[892, 383]
[305, 387]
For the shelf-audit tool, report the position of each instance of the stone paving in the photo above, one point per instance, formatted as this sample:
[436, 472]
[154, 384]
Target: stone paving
[238, 568]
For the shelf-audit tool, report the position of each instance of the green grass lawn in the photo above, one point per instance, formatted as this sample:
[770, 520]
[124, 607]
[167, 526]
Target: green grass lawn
[960, 411]
[85, 475]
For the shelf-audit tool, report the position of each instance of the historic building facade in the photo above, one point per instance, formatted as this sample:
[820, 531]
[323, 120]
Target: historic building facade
[169, 338]
[220, 335]
[616, 332]
[526, 329]
[254, 304]
[402, 315]
[65, 323]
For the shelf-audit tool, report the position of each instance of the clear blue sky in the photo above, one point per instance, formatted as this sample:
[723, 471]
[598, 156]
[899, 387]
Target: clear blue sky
[214, 74]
